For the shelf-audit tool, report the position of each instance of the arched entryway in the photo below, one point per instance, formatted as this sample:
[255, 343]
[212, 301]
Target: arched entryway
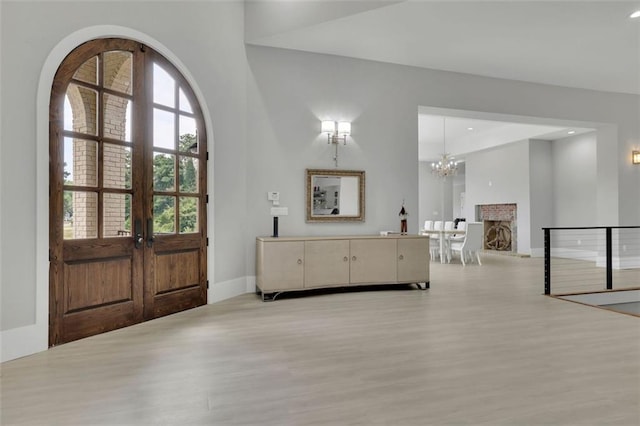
[128, 152]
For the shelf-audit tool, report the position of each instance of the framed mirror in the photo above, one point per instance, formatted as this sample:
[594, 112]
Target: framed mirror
[335, 195]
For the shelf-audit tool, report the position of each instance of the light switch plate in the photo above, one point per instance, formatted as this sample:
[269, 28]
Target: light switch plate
[273, 196]
[279, 211]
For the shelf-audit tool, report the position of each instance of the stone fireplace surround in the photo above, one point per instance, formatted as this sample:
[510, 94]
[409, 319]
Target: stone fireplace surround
[503, 215]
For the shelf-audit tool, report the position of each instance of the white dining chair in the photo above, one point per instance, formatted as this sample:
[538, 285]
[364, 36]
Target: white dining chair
[433, 249]
[472, 243]
[434, 240]
[462, 226]
[449, 225]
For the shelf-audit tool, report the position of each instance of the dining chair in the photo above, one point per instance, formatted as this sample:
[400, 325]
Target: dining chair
[434, 240]
[472, 243]
[434, 247]
[462, 225]
[428, 225]
[449, 225]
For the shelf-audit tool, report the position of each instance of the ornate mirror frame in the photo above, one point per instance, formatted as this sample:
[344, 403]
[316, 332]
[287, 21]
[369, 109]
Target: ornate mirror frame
[317, 199]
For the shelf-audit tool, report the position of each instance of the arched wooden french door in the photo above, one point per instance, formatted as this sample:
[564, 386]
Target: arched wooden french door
[128, 154]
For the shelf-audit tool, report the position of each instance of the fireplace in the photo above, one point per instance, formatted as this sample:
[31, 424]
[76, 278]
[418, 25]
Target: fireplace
[500, 229]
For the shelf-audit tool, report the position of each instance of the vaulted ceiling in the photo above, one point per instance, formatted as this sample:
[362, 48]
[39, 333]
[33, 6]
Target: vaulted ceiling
[585, 44]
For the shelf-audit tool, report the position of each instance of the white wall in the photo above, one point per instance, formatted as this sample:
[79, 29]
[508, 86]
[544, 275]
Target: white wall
[458, 189]
[497, 176]
[574, 162]
[541, 183]
[289, 93]
[435, 198]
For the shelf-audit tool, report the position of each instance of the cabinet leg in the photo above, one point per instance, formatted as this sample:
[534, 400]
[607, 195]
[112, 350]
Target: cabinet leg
[426, 286]
[270, 297]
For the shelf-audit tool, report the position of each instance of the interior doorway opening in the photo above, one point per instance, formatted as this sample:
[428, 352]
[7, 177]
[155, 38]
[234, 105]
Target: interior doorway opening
[505, 159]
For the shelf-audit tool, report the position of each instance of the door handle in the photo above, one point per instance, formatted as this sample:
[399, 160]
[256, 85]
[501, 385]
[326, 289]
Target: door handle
[150, 238]
[137, 238]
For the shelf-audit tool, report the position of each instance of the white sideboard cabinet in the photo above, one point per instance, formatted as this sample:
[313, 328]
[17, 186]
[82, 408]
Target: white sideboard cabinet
[300, 263]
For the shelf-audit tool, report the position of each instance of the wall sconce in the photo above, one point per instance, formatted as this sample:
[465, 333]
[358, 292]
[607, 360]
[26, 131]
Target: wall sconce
[635, 157]
[336, 132]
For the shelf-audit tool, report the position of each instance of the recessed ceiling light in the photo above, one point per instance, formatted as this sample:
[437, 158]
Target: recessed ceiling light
[635, 14]
[571, 132]
[469, 128]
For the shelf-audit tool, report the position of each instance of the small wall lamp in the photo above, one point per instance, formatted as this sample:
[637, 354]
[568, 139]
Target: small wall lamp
[635, 157]
[336, 132]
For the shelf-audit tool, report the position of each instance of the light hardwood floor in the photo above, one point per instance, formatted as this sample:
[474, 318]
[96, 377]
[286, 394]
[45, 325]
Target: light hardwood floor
[482, 346]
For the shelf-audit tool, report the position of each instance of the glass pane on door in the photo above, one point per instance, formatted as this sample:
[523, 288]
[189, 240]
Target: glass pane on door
[88, 72]
[164, 214]
[164, 87]
[80, 162]
[82, 110]
[80, 215]
[188, 174]
[164, 172]
[188, 215]
[117, 166]
[188, 139]
[117, 71]
[117, 118]
[116, 215]
[185, 105]
[163, 129]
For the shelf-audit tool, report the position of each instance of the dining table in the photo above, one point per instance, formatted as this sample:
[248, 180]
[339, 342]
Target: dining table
[444, 237]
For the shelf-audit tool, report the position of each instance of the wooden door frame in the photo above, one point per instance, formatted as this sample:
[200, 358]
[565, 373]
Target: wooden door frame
[55, 184]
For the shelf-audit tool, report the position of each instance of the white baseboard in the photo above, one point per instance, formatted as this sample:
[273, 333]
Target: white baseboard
[627, 262]
[227, 289]
[537, 252]
[618, 262]
[23, 341]
[251, 284]
[568, 253]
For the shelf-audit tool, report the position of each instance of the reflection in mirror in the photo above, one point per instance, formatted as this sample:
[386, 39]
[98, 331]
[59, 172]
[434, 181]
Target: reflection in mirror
[335, 195]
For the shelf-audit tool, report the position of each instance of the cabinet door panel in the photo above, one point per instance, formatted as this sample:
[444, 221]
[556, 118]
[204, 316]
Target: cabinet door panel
[413, 260]
[373, 261]
[326, 263]
[283, 264]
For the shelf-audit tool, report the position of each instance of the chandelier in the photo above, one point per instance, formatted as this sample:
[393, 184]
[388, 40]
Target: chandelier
[447, 166]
